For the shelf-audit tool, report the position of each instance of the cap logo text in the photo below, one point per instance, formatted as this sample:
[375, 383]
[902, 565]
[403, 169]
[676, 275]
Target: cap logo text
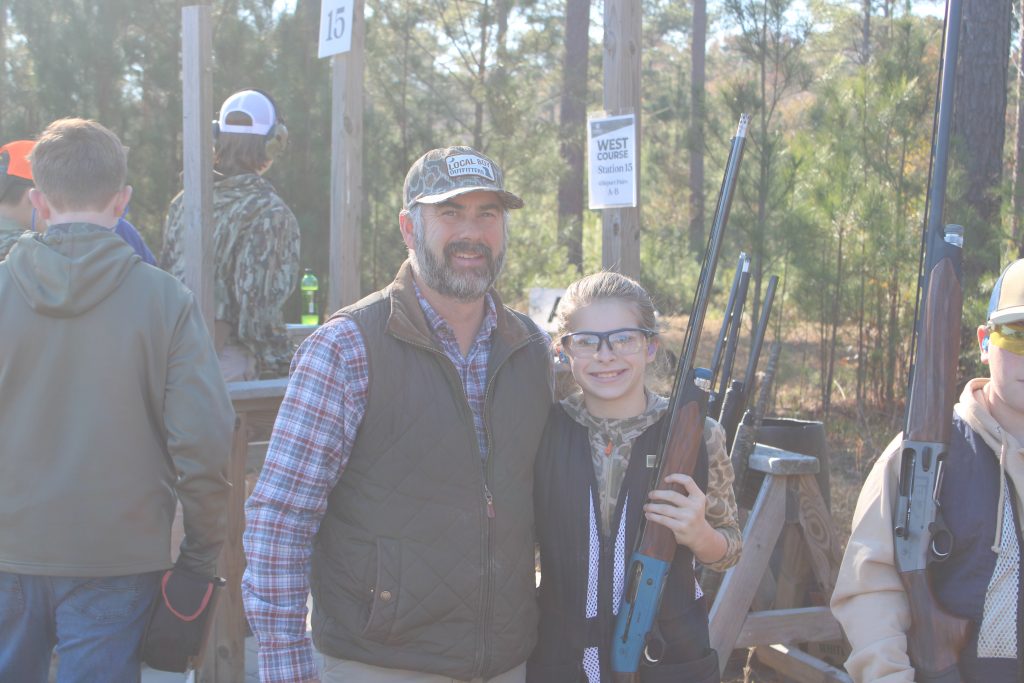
[469, 164]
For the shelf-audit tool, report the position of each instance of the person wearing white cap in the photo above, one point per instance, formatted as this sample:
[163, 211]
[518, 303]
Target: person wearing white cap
[399, 478]
[983, 480]
[255, 240]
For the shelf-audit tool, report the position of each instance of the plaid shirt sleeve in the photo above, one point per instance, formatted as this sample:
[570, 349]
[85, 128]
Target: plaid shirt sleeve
[312, 438]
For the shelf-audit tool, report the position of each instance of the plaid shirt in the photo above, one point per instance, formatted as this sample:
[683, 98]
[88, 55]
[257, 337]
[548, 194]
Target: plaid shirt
[313, 436]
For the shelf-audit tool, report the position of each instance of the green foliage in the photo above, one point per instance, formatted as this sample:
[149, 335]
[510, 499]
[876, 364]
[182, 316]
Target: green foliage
[837, 155]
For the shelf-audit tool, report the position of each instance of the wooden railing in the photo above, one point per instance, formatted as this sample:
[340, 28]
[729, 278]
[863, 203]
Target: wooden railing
[256, 405]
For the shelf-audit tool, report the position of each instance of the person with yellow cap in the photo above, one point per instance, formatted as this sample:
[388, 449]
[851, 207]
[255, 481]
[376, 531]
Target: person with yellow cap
[15, 182]
[982, 483]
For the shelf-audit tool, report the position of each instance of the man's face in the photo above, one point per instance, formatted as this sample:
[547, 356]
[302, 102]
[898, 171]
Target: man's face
[1006, 370]
[459, 246]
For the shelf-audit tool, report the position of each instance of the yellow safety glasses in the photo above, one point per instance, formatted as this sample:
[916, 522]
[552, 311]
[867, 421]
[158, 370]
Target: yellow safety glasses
[1008, 336]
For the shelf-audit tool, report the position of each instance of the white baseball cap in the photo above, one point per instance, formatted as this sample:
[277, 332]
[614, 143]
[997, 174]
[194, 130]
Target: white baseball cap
[255, 105]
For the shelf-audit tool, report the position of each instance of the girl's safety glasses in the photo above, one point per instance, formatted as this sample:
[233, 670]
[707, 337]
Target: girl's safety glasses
[623, 341]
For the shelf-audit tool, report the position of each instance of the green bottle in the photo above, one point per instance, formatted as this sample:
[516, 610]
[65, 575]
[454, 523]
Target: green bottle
[309, 287]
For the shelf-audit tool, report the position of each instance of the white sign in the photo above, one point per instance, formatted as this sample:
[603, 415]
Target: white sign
[335, 27]
[612, 145]
[544, 307]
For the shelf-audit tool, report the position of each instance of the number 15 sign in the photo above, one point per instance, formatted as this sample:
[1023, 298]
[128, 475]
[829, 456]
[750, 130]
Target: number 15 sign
[335, 27]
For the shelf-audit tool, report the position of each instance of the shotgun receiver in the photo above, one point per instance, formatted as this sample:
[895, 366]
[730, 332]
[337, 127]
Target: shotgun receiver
[649, 564]
[920, 537]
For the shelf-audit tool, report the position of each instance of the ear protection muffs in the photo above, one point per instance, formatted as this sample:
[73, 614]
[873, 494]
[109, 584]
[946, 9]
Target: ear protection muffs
[984, 344]
[275, 139]
[562, 358]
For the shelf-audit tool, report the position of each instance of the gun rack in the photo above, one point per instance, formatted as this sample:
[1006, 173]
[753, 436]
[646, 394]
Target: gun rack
[790, 513]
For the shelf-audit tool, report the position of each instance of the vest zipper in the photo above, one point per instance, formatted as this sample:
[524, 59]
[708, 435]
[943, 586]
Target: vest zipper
[487, 611]
[488, 468]
[490, 501]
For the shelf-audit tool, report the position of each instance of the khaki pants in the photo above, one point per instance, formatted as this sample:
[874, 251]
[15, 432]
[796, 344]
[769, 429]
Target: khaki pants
[346, 671]
[236, 363]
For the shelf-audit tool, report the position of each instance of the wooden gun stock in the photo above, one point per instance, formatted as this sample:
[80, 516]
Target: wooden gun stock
[936, 637]
[681, 453]
[934, 388]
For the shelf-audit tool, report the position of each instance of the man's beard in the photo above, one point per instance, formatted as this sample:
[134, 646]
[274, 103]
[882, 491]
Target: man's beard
[439, 274]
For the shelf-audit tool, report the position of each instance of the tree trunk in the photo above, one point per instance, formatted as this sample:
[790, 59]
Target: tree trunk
[837, 299]
[980, 123]
[481, 76]
[861, 347]
[3, 58]
[893, 333]
[1018, 157]
[572, 130]
[865, 34]
[696, 136]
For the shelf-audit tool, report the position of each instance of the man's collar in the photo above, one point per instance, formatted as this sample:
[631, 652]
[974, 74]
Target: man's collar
[441, 328]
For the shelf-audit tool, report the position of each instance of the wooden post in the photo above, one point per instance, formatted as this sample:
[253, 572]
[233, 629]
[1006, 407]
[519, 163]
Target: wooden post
[224, 659]
[620, 235]
[347, 167]
[197, 138]
[256, 405]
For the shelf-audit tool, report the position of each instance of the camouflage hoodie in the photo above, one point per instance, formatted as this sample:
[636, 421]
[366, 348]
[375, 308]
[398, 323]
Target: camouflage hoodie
[256, 264]
[611, 442]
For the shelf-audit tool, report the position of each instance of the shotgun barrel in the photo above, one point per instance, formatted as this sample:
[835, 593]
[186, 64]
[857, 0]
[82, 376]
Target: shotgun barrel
[656, 546]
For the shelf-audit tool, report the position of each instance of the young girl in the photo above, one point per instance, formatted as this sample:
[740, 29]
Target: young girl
[590, 491]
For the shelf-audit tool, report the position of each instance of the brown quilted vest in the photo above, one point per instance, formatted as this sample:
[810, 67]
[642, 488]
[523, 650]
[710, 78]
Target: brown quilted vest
[409, 571]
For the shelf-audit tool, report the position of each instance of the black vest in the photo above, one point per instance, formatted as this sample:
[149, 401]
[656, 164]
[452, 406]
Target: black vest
[409, 571]
[564, 490]
[970, 492]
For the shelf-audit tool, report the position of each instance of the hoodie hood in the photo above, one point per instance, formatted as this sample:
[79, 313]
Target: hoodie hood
[973, 409]
[69, 269]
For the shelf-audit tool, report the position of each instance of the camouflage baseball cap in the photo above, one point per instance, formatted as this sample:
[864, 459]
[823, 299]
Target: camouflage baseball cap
[446, 172]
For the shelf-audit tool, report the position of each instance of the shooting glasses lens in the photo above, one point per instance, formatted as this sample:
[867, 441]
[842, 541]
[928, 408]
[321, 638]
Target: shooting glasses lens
[1008, 336]
[624, 341]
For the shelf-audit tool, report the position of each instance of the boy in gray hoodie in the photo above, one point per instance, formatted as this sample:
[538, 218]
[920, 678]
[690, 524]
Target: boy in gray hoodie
[111, 405]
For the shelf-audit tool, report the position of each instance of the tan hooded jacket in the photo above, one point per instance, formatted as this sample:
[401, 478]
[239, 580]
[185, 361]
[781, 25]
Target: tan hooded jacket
[869, 600]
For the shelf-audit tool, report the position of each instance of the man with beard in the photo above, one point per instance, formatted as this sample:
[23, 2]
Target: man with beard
[398, 481]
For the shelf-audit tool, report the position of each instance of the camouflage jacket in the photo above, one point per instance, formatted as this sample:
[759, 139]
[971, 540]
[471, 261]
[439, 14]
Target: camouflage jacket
[9, 234]
[256, 264]
[611, 442]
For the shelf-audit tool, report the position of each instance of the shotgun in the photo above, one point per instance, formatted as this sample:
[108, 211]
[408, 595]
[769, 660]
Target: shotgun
[738, 394]
[649, 564]
[733, 317]
[725, 347]
[935, 637]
